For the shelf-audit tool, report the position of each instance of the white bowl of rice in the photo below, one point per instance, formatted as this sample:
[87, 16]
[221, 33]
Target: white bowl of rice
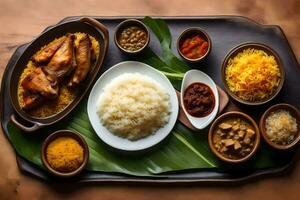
[132, 106]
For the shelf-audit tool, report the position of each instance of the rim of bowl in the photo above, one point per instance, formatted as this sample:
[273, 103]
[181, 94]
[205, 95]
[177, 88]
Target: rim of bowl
[237, 49]
[63, 133]
[125, 24]
[294, 112]
[220, 119]
[190, 31]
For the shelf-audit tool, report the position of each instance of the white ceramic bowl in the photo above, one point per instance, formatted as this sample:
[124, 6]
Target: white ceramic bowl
[193, 76]
[123, 143]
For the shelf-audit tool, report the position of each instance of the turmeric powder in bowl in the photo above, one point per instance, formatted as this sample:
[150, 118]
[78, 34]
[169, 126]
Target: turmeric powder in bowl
[64, 154]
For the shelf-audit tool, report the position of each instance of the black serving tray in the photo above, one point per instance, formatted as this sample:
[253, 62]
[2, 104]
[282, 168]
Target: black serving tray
[226, 32]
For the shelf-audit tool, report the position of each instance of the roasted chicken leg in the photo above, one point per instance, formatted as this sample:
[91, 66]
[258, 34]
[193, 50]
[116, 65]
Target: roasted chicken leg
[83, 60]
[37, 82]
[47, 52]
[31, 100]
[61, 63]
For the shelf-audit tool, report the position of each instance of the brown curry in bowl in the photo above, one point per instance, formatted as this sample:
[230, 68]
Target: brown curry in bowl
[234, 137]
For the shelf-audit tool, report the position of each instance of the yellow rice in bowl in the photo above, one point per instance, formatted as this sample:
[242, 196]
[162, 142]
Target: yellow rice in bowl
[66, 95]
[252, 75]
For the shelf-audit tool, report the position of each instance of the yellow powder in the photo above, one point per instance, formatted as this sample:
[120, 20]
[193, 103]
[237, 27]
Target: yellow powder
[253, 75]
[64, 154]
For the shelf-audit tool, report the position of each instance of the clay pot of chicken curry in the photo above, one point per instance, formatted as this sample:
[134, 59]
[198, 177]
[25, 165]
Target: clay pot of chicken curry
[55, 71]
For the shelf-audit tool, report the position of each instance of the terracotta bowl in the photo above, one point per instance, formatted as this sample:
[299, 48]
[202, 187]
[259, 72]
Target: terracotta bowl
[193, 31]
[239, 49]
[294, 112]
[125, 24]
[219, 120]
[65, 133]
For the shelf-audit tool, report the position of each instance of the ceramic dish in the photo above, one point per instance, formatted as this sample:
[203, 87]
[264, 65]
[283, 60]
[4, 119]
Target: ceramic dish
[228, 115]
[87, 25]
[236, 50]
[65, 133]
[262, 124]
[122, 143]
[194, 76]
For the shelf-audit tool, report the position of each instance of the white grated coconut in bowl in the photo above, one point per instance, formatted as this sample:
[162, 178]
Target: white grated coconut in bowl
[281, 127]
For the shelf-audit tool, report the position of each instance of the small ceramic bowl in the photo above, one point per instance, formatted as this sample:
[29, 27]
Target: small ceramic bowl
[262, 124]
[238, 49]
[194, 76]
[65, 133]
[189, 32]
[220, 119]
[125, 24]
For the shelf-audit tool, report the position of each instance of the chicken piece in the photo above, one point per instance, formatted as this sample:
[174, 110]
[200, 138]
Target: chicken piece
[228, 142]
[237, 145]
[247, 140]
[93, 55]
[83, 60]
[30, 100]
[243, 127]
[37, 82]
[241, 133]
[224, 149]
[250, 133]
[235, 128]
[47, 52]
[61, 63]
[225, 126]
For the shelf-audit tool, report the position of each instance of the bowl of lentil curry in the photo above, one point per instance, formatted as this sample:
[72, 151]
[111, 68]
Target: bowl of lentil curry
[280, 126]
[252, 73]
[132, 36]
[65, 153]
[234, 137]
[193, 44]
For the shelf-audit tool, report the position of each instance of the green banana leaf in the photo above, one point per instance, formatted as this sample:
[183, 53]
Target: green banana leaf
[182, 150]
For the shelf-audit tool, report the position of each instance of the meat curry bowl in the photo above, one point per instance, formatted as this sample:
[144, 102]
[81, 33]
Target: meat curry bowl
[234, 137]
[55, 71]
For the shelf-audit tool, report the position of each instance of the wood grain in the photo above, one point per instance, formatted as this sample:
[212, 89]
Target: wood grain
[21, 21]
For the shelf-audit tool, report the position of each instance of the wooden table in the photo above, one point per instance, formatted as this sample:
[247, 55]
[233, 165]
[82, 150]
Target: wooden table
[21, 21]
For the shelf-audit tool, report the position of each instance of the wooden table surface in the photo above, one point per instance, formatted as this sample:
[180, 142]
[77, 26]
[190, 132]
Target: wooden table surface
[21, 21]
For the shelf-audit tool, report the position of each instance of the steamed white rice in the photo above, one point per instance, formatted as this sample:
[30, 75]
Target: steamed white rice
[133, 106]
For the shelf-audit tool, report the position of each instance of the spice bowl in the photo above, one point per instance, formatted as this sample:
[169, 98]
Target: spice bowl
[76, 140]
[193, 44]
[294, 112]
[132, 36]
[252, 144]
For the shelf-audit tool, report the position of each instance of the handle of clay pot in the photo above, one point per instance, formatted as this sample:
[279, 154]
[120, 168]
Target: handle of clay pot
[32, 128]
[99, 26]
